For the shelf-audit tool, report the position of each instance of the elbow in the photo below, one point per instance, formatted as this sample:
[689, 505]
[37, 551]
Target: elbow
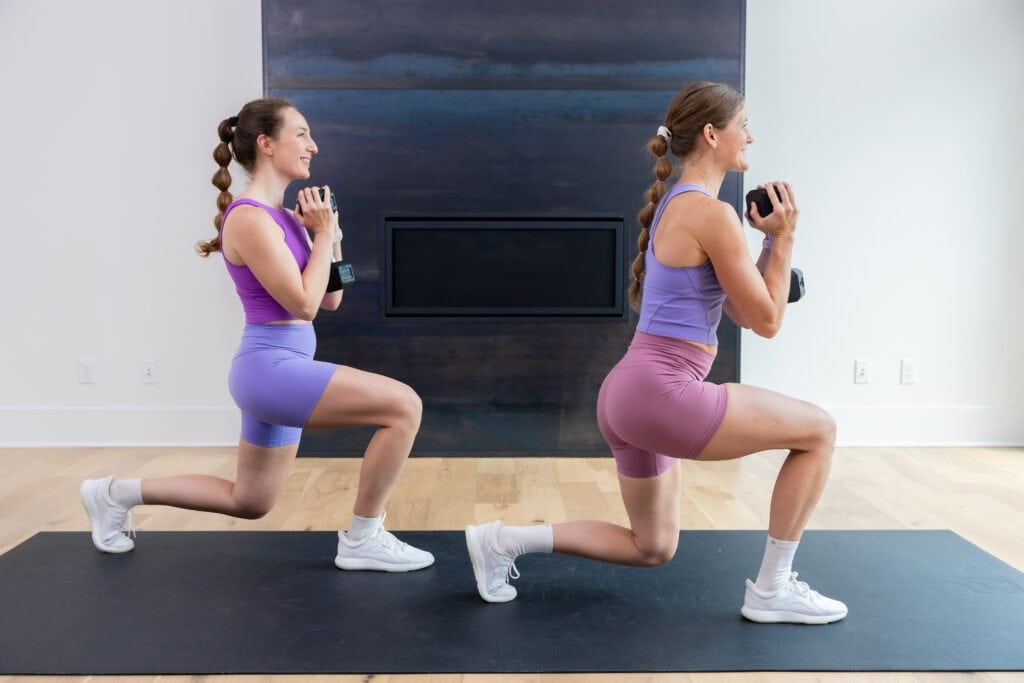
[306, 313]
[767, 328]
[738, 320]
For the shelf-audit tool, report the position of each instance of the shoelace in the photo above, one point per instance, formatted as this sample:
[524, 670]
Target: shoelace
[387, 539]
[511, 571]
[122, 517]
[131, 524]
[801, 587]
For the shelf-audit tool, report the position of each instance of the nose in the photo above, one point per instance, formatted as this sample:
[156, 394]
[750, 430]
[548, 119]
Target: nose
[313, 149]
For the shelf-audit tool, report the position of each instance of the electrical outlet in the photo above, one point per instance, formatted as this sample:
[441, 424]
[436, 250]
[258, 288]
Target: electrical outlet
[150, 372]
[861, 372]
[908, 371]
[86, 371]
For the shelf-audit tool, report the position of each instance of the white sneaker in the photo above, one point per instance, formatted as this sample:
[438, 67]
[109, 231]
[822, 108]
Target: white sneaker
[491, 567]
[794, 603]
[106, 516]
[380, 551]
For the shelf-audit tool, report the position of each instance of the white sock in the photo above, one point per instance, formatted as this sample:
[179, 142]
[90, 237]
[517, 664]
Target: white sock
[776, 565]
[519, 540]
[126, 492]
[361, 527]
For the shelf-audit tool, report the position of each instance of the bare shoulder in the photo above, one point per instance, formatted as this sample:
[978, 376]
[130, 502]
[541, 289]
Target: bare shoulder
[698, 209]
[716, 220]
[248, 226]
[687, 229]
[248, 216]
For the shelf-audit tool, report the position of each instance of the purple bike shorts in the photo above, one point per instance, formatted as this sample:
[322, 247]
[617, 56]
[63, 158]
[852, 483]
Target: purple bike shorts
[276, 383]
[654, 407]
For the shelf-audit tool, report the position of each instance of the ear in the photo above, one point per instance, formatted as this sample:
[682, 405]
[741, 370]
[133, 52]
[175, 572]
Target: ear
[709, 135]
[265, 145]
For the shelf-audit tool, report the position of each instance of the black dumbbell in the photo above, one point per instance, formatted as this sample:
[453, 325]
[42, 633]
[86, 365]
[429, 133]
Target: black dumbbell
[764, 207]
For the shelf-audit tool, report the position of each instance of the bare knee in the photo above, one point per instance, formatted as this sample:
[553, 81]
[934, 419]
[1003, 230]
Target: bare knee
[825, 430]
[408, 410]
[820, 442]
[655, 552]
[254, 506]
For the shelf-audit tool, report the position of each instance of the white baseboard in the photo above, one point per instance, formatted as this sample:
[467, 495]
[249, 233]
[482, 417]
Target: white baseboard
[929, 426]
[118, 426]
[218, 426]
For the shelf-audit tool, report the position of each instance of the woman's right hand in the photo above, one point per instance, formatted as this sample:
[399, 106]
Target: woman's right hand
[316, 215]
[781, 222]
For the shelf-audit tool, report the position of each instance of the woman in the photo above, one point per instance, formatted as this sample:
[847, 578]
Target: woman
[654, 406]
[281, 277]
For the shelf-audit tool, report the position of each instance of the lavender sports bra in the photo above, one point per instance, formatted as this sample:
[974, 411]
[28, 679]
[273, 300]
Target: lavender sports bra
[257, 303]
[682, 303]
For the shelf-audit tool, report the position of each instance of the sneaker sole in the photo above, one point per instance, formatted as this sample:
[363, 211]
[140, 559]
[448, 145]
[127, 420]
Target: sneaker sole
[773, 617]
[91, 510]
[477, 560]
[360, 564]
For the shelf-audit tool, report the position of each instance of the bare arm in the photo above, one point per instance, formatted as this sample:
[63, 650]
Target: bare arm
[257, 241]
[756, 293]
[729, 308]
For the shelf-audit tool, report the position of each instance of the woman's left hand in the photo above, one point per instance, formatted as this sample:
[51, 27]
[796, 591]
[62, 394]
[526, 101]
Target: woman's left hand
[781, 222]
[316, 215]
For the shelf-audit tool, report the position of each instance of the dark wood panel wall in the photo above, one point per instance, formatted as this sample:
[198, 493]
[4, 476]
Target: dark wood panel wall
[485, 107]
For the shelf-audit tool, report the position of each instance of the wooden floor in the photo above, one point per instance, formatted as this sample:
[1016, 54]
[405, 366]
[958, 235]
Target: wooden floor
[976, 492]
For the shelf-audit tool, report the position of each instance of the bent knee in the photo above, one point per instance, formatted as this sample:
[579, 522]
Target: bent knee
[408, 409]
[254, 508]
[658, 552]
[825, 427]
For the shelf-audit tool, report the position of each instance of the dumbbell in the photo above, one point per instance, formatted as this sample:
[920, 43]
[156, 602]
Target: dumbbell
[764, 207]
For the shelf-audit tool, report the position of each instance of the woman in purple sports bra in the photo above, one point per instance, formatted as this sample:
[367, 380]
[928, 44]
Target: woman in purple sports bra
[655, 408]
[281, 277]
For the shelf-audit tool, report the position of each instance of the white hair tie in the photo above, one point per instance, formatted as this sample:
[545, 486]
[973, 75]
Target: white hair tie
[665, 133]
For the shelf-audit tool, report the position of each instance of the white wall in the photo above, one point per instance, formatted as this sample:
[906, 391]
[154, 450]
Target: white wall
[109, 123]
[897, 121]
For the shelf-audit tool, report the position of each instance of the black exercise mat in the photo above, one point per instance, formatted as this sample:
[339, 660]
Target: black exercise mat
[272, 602]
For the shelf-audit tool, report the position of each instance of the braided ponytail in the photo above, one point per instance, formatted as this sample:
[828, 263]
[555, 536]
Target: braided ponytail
[222, 181]
[663, 169]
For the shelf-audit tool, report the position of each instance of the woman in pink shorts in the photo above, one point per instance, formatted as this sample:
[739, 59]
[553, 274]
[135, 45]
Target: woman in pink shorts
[655, 408]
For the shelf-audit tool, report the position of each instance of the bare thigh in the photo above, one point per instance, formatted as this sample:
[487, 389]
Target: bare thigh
[759, 419]
[358, 398]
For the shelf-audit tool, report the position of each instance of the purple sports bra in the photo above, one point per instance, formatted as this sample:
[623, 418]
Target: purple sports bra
[257, 303]
[681, 303]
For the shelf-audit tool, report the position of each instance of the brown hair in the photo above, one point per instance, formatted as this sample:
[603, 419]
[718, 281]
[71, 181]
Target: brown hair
[695, 106]
[259, 117]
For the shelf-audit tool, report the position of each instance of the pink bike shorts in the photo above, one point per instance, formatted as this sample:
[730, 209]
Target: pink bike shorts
[654, 407]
